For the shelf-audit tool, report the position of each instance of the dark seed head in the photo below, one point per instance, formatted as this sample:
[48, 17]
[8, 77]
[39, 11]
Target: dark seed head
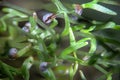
[43, 66]
[26, 29]
[47, 18]
[13, 52]
[78, 9]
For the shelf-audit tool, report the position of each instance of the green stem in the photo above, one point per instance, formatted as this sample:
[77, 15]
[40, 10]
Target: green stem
[100, 69]
[67, 25]
[59, 5]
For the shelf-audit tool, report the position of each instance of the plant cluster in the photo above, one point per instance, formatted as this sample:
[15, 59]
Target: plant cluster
[38, 43]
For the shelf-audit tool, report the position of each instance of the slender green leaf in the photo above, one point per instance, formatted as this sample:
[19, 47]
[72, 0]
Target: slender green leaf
[72, 37]
[109, 77]
[14, 12]
[93, 46]
[18, 45]
[73, 69]
[73, 48]
[109, 25]
[33, 23]
[95, 1]
[3, 26]
[67, 25]
[24, 50]
[26, 66]
[99, 8]
[111, 2]
[54, 23]
[8, 70]
[49, 75]
[59, 5]
[71, 72]
[82, 75]
[13, 31]
[100, 69]
[7, 16]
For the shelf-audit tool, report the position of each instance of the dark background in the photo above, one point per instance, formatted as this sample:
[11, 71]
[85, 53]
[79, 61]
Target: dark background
[87, 13]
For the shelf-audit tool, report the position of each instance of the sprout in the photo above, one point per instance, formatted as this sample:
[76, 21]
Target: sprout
[13, 52]
[35, 15]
